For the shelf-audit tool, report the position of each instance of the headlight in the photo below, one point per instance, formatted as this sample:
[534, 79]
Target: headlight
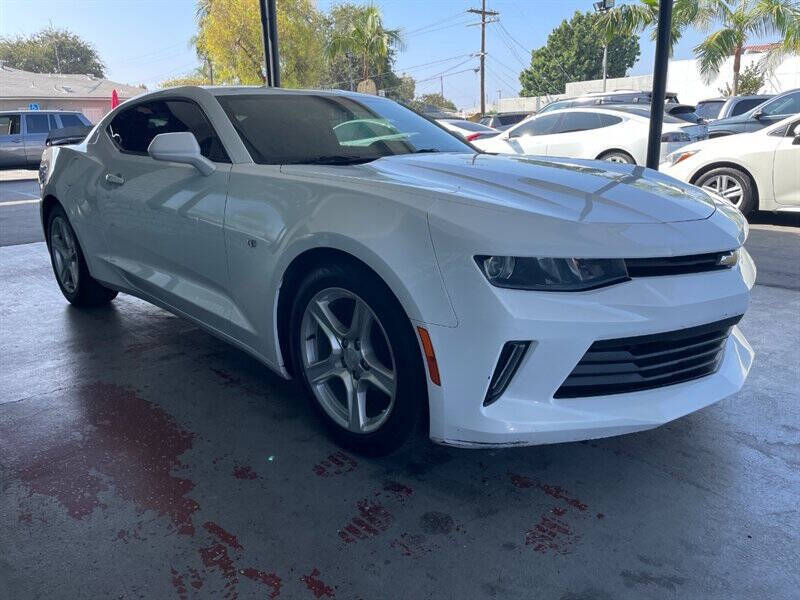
[552, 274]
[673, 158]
[675, 136]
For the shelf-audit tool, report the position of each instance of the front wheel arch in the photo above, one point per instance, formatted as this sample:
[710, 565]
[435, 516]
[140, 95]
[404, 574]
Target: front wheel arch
[731, 165]
[616, 151]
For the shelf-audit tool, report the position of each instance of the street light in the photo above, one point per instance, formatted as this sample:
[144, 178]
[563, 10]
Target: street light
[601, 7]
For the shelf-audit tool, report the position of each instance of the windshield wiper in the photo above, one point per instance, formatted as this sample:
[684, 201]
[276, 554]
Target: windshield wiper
[334, 159]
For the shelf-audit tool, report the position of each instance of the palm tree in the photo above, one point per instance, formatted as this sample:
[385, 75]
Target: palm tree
[366, 39]
[739, 20]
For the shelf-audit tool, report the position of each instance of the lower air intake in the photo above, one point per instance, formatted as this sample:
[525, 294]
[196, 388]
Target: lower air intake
[510, 359]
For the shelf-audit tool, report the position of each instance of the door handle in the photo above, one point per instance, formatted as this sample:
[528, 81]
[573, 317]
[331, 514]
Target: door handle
[115, 179]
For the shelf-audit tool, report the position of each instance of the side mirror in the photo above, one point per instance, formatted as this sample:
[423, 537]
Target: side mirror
[796, 134]
[180, 147]
[757, 115]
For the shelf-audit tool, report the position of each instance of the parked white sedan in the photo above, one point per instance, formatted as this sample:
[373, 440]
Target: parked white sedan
[512, 300]
[757, 170]
[601, 133]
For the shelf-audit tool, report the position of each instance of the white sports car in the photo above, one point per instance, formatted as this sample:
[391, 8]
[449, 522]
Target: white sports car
[756, 170]
[400, 274]
[611, 134]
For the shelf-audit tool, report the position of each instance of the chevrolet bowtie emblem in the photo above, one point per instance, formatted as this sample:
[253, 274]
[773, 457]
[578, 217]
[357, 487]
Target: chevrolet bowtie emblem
[729, 259]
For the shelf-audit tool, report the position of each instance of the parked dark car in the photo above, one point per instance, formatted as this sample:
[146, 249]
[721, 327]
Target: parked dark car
[23, 134]
[502, 121]
[618, 97]
[722, 108]
[771, 111]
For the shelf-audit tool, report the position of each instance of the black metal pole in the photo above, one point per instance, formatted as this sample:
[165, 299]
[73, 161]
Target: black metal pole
[659, 83]
[269, 31]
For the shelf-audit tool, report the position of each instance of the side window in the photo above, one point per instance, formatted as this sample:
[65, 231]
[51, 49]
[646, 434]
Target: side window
[786, 105]
[68, 120]
[132, 130]
[578, 121]
[9, 124]
[36, 124]
[539, 126]
[608, 120]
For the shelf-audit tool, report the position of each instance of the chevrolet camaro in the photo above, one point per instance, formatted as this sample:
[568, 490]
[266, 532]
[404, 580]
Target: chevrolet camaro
[401, 274]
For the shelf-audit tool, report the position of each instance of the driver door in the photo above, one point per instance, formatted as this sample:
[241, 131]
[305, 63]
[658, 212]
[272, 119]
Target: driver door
[164, 221]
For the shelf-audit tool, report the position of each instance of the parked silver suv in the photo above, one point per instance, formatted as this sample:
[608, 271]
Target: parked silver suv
[23, 133]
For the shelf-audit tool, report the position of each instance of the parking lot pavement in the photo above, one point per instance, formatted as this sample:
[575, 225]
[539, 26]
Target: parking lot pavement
[142, 458]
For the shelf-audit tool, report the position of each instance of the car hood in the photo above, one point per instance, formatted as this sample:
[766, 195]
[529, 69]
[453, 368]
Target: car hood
[563, 188]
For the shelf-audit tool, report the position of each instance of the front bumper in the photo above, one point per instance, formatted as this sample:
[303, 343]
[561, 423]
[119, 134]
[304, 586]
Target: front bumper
[561, 327]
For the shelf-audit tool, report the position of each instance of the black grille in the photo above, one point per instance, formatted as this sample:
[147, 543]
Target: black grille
[648, 361]
[677, 265]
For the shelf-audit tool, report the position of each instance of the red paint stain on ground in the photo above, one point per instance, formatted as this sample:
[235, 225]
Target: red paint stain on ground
[25, 517]
[179, 584]
[337, 463]
[216, 556]
[551, 535]
[559, 512]
[244, 472]
[316, 586]
[98, 437]
[222, 535]
[372, 519]
[196, 580]
[269, 579]
[401, 492]
[555, 491]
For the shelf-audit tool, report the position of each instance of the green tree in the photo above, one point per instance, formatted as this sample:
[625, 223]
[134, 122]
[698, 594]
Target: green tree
[364, 41]
[230, 44]
[436, 99]
[738, 21]
[400, 88]
[751, 80]
[574, 52]
[51, 51]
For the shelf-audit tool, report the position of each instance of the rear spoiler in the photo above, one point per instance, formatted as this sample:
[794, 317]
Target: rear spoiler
[67, 135]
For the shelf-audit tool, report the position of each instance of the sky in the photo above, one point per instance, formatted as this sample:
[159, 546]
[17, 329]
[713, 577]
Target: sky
[147, 41]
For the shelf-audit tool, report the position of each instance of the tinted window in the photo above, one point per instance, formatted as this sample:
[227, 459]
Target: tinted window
[133, 129]
[510, 119]
[538, 126]
[9, 124]
[302, 128]
[785, 105]
[36, 124]
[578, 121]
[486, 121]
[71, 121]
[52, 121]
[708, 110]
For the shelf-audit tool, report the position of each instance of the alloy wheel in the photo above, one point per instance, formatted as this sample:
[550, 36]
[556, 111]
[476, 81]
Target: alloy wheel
[727, 187]
[64, 250]
[348, 360]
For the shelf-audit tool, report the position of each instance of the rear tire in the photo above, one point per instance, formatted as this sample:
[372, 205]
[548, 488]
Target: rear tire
[69, 264]
[617, 156]
[355, 351]
[732, 184]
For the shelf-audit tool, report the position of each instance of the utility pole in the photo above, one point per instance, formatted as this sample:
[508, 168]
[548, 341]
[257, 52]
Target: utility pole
[659, 83]
[603, 6]
[269, 31]
[483, 13]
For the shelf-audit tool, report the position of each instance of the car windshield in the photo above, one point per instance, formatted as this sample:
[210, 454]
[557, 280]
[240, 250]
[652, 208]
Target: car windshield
[331, 129]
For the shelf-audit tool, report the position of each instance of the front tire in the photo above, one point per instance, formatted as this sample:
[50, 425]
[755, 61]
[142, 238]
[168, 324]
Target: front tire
[732, 184]
[355, 350]
[69, 264]
[617, 156]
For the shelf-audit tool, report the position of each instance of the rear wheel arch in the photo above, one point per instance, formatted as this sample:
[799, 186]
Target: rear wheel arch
[616, 151]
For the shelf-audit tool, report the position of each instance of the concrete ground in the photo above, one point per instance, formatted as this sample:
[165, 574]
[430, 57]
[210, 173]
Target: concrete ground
[142, 458]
